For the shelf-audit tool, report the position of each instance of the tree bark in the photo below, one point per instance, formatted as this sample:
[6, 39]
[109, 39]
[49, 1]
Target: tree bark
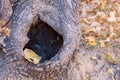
[62, 16]
[5, 11]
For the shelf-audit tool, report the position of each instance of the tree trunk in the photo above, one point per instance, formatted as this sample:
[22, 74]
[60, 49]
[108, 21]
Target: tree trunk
[60, 15]
[5, 11]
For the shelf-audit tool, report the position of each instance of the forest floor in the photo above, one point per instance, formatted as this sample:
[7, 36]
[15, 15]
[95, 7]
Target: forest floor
[100, 27]
[101, 63]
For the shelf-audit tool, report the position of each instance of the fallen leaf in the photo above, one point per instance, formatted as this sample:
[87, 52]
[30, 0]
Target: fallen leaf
[31, 56]
[93, 58]
[112, 17]
[6, 31]
[110, 55]
[84, 20]
[111, 58]
[110, 71]
[112, 36]
[2, 22]
[103, 4]
[91, 40]
[89, 29]
[111, 28]
[102, 44]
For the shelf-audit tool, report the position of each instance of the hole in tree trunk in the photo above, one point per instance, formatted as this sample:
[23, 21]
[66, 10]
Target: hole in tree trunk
[44, 41]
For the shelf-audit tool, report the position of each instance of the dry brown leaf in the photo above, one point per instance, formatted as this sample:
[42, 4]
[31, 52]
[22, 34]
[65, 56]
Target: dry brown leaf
[100, 19]
[111, 17]
[31, 56]
[103, 4]
[112, 36]
[110, 71]
[6, 31]
[84, 20]
[93, 58]
[91, 40]
[89, 29]
[111, 58]
[2, 22]
[102, 44]
[111, 28]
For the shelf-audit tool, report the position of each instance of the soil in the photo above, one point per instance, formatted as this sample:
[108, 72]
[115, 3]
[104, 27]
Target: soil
[44, 41]
[97, 65]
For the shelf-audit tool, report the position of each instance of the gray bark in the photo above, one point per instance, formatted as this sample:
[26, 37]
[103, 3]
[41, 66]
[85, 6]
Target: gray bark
[62, 16]
[5, 11]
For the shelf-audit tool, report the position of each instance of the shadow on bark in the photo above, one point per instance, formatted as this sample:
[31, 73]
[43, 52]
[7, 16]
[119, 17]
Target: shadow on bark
[44, 41]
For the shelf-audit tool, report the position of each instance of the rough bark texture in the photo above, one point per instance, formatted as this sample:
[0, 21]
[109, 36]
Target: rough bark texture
[5, 11]
[61, 15]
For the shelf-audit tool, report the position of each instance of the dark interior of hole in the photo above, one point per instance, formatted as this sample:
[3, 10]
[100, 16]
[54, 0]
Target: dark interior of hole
[44, 41]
